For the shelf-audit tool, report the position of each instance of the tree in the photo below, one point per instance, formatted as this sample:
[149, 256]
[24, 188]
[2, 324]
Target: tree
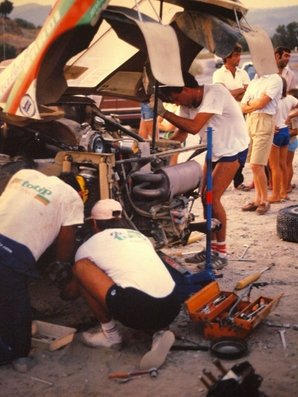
[6, 8]
[286, 36]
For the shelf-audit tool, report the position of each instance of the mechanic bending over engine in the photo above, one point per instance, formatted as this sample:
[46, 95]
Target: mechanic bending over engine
[35, 211]
[122, 278]
[202, 106]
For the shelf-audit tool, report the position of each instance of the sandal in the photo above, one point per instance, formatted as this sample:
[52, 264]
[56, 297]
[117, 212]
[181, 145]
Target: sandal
[249, 207]
[243, 187]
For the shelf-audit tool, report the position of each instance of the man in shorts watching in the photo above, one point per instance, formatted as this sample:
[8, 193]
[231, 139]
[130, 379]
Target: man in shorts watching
[260, 103]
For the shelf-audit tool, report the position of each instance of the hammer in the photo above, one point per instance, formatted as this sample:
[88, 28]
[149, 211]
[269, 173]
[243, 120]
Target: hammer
[126, 375]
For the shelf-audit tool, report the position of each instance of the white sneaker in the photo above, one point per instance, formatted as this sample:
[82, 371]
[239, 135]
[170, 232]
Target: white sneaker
[161, 345]
[100, 339]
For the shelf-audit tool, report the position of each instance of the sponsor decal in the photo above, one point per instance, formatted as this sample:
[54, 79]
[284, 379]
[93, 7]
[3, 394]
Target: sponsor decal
[27, 106]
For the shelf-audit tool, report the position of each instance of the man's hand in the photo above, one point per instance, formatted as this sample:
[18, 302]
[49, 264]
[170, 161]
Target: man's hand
[160, 107]
[60, 273]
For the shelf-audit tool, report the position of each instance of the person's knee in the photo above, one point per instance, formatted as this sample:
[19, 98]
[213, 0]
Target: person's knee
[257, 168]
[78, 269]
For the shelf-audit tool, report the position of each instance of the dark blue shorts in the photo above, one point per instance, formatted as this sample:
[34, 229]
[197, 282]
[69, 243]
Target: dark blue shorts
[135, 309]
[241, 157]
[282, 137]
[15, 315]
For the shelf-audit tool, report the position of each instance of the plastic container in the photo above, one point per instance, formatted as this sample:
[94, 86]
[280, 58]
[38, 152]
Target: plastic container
[49, 336]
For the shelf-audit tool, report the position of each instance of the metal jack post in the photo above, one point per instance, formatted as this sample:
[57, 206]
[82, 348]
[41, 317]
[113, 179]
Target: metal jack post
[208, 266]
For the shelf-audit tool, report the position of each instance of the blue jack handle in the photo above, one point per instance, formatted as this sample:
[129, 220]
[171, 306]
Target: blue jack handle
[208, 267]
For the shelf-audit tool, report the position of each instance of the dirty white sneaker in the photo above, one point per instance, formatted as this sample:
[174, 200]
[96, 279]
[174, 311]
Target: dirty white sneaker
[161, 345]
[101, 339]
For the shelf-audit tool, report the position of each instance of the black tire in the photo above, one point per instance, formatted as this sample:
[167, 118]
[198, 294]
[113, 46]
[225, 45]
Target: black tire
[287, 223]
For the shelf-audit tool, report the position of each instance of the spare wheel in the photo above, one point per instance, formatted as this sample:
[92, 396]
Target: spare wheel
[287, 223]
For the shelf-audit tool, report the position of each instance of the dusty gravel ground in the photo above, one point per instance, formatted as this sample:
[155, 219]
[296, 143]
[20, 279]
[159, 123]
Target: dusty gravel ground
[79, 371]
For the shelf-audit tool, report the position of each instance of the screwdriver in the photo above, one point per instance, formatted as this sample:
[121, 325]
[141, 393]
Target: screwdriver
[251, 278]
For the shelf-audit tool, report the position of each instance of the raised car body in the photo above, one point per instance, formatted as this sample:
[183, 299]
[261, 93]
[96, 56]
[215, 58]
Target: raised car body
[121, 49]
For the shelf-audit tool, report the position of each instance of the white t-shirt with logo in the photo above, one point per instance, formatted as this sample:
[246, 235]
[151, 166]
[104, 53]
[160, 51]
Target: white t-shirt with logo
[33, 207]
[128, 257]
[230, 135]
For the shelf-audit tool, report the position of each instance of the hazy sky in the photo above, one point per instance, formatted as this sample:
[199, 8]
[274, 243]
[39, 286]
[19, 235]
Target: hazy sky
[247, 3]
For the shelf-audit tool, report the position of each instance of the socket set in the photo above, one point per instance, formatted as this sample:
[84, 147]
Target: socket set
[225, 314]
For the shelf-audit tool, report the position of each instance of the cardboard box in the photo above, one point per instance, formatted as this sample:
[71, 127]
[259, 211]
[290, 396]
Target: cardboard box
[224, 314]
[51, 336]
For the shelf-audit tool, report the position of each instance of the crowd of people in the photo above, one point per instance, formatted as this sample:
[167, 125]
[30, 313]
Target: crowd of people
[117, 270]
[252, 121]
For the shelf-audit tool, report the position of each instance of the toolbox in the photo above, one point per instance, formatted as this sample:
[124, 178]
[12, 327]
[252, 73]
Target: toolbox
[50, 336]
[225, 314]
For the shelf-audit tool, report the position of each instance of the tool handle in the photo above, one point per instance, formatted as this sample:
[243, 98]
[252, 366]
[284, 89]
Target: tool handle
[250, 279]
[119, 375]
[247, 280]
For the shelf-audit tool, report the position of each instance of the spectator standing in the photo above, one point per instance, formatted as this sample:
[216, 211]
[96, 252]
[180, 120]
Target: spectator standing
[260, 103]
[282, 57]
[279, 150]
[35, 211]
[236, 81]
[293, 144]
[202, 106]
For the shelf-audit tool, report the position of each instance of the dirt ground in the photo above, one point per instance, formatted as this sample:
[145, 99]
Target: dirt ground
[79, 371]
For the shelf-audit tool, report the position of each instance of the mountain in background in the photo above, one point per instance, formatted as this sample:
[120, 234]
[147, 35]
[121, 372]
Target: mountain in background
[268, 18]
[32, 12]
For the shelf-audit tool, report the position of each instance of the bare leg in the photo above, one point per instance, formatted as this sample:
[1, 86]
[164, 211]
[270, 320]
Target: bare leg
[94, 285]
[260, 182]
[283, 166]
[274, 161]
[222, 176]
[290, 170]
[146, 129]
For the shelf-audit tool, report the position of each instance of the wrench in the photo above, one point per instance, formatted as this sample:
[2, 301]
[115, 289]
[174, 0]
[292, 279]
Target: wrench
[252, 314]
[245, 251]
[125, 375]
[282, 337]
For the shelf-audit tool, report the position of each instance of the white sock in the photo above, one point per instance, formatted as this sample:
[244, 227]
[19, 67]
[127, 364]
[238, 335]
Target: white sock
[110, 330]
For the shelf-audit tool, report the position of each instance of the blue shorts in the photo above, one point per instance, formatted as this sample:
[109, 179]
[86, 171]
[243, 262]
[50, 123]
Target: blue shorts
[146, 111]
[138, 310]
[282, 137]
[241, 157]
[15, 315]
[293, 145]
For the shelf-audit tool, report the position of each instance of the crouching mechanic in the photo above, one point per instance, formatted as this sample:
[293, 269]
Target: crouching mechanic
[35, 211]
[122, 278]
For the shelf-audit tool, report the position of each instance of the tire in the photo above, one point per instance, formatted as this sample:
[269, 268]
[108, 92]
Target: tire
[287, 223]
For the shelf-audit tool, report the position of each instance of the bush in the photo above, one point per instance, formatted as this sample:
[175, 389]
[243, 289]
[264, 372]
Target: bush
[24, 24]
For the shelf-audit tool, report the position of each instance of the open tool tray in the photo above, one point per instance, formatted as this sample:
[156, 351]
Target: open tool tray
[224, 314]
[51, 336]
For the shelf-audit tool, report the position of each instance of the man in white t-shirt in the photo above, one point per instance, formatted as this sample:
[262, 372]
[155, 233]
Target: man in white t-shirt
[35, 211]
[231, 76]
[122, 278]
[202, 106]
[236, 81]
[282, 57]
